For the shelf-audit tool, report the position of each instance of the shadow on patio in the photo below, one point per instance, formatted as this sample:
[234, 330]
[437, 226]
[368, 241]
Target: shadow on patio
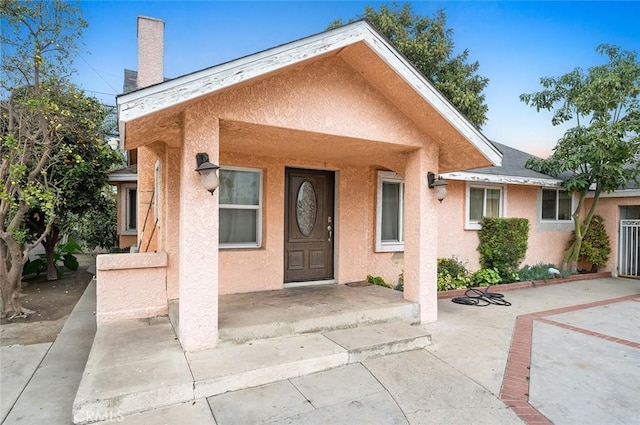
[266, 314]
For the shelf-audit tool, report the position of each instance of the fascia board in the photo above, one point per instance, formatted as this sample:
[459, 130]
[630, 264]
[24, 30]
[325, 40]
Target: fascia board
[124, 178]
[624, 193]
[182, 89]
[501, 179]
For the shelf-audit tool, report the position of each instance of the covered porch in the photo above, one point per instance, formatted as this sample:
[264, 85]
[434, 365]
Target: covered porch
[305, 309]
[320, 143]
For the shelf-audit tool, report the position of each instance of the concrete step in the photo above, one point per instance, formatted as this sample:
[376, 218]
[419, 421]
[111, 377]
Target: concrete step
[136, 366]
[235, 367]
[401, 312]
[379, 340]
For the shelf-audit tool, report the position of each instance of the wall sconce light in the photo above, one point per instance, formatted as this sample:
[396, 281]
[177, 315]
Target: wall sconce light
[439, 185]
[208, 177]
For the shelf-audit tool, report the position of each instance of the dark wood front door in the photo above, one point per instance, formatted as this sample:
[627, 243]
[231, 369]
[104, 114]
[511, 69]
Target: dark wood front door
[308, 243]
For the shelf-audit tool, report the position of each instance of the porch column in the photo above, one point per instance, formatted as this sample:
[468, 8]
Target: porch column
[198, 239]
[171, 219]
[421, 234]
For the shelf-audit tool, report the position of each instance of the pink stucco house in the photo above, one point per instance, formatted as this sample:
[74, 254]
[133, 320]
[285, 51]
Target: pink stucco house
[326, 147]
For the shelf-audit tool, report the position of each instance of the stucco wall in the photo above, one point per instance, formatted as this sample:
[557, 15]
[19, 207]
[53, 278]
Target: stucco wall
[547, 241]
[257, 269]
[130, 286]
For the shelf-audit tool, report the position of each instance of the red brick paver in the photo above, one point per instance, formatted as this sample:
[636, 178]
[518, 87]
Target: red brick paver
[515, 384]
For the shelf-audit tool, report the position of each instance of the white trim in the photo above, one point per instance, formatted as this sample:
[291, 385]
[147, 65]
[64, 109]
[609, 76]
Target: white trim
[502, 204]
[309, 283]
[257, 208]
[389, 176]
[155, 98]
[123, 178]
[501, 179]
[623, 193]
[124, 209]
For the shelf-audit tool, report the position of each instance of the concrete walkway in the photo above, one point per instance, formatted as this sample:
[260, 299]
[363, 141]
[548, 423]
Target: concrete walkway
[40, 381]
[582, 340]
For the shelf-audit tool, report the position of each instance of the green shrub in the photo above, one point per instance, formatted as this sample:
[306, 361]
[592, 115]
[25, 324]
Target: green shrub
[452, 274]
[63, 254]
[453, 266]
[540, 271]
[377, 280]
[503, 245]
[595, 247]
[486, 277]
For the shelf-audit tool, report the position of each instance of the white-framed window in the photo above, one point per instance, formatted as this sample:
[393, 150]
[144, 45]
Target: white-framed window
[390, 212]
[129, 209]
[240, 207]
[483, 201]
[556, 205]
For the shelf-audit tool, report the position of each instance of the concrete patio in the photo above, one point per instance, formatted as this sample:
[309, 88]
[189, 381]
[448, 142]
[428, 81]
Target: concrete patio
[265, 337]
[304, 309]
[582, 349]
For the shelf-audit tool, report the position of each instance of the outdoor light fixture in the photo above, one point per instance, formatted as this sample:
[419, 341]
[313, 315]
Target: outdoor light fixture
[439, 185]
[208, 177]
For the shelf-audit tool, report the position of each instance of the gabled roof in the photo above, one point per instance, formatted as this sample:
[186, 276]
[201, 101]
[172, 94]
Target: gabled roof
[152, 99]
[512, 171]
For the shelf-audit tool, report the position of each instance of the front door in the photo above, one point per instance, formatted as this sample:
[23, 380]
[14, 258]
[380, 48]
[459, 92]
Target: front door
[308, 243]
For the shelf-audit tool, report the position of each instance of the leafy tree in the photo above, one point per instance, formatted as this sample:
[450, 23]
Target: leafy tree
[80, 175]
[38, 44]
[428, 44]
[601, 152]
[97, 228]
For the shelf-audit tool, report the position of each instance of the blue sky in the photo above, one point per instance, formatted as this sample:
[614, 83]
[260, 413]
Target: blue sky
[515, 43]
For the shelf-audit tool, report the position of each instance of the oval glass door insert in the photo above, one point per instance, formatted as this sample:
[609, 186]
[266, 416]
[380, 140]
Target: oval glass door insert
[306, 208]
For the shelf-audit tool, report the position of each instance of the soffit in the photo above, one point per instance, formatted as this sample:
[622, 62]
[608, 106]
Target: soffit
[456, 152]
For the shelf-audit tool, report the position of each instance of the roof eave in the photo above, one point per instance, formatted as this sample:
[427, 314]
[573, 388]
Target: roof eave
[123, 178]
[502, 179]
[155, 98]
[621, 193]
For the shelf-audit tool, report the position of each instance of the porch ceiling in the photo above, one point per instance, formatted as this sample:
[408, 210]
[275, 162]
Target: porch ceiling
[255, 139]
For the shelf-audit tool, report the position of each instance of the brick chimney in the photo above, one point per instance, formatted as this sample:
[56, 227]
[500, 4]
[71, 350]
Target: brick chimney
[150, 51]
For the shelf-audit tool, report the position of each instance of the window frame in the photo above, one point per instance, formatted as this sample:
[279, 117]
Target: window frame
[258, 208]
[157, 186]
[502, 209]
[125, 218]
[389, 246]
[557, 191]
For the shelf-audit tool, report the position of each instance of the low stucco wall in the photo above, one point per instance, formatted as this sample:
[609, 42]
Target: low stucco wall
[131, 286]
